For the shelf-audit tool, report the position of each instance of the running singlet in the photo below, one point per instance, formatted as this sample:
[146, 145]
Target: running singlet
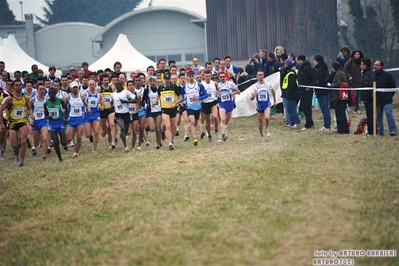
[152, 96]
[106, 93]
[169, 95]
[17, 111]
[55, 109]
[93, 100]
[140, 92]
[191, 91]
[38, 109]
[262, 94]
[116, 97]
[210, 91]
[75, 106]
[224, 89]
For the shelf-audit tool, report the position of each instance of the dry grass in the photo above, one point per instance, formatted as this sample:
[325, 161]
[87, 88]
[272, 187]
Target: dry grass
[243, 202]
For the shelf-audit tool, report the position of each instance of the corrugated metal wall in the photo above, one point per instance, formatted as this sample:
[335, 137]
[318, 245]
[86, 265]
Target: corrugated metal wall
[240, 28]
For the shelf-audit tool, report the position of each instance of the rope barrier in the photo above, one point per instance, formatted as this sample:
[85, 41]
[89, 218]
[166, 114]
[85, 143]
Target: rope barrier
[352, 89]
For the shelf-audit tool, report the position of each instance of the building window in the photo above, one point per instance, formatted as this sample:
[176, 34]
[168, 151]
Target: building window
[189, 57]
[175, 57]
[151, 57]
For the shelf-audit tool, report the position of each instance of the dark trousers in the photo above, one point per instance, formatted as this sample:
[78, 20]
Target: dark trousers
[342, 124]
[369, 114]
[306, 104]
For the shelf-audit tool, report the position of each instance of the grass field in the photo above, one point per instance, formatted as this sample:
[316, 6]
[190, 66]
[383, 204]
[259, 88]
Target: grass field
[242, 202]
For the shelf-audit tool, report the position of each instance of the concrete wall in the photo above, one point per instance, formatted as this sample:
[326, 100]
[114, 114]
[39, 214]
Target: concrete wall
[159, 33]
[66, 44]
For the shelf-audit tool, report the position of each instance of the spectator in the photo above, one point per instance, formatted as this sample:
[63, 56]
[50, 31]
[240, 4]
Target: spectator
[306, 77]
[339, 104]
[343, 55]
[323, 95]
[384, 99]
[367, 95]
[353, 71]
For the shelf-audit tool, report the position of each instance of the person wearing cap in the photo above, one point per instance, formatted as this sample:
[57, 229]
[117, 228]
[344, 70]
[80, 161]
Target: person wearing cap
[170, 96]
[51, 76]
[154, 117]
[107, 115]
[306, 77]
[227, 90]
[194, 93]
[76, 101]
[290, 93]
[139, 91]
[262, 90]
[209, 105]
[92, 119]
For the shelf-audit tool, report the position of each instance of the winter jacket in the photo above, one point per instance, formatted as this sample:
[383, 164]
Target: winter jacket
[320, 78]
[352, 69]
[383, 80]
[305, 75]
[291, 92]
[339, 78]
[365, 82]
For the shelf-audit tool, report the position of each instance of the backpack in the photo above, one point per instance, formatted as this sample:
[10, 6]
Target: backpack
[343, 92]
[361, 127]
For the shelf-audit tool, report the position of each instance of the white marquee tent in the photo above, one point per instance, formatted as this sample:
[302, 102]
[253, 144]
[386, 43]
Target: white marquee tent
[124, 52]
[16, 59]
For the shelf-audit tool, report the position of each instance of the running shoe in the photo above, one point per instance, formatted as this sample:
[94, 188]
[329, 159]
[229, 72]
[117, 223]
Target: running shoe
[324, 129]
[17, 161]
[160, 145]
[157, 147]
[44, 159]
[195, 141]
[139, 148]
[51, 143]
[171, 146]
[261, 138]
[48, 151]
[65, 148]
[268, 133]
[224, 137]
[75, 155]
[126, 149]
[20, 164]
[202, 135]
[61, 161]
[103, 134]
[218, 135]
[72, 144]
[28, 144]
[147, 144]
[113, 145]
[91, 138]
[210, 139]
[186, 137]
[34, 151]
[177, 133]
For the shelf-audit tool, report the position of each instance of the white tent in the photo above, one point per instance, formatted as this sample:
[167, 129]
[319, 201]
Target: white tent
[16, 59]
[1, 42]
[124, 52]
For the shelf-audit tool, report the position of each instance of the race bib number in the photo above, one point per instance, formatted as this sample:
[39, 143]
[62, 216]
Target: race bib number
[225, 97]
[76, 111]
[19, 112]
[168, 98]
[263, 96]
[39, 114]
[107, 101]
[119, 107]
[93, 102]
[132, 108]
[54, 113]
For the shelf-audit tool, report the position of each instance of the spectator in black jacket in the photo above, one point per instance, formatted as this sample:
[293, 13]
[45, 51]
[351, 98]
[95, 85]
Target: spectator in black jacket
[274, 65]
[305, 77]
[384, 99]
[323, 95]
[367, 96]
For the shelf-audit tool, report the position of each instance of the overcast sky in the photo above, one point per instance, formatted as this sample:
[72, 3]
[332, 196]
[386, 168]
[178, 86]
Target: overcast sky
[35, 6]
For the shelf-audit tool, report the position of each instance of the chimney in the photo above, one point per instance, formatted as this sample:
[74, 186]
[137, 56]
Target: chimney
[30, 36]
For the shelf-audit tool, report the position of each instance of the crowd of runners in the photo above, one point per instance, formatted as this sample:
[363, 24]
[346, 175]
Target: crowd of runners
[48, 111]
